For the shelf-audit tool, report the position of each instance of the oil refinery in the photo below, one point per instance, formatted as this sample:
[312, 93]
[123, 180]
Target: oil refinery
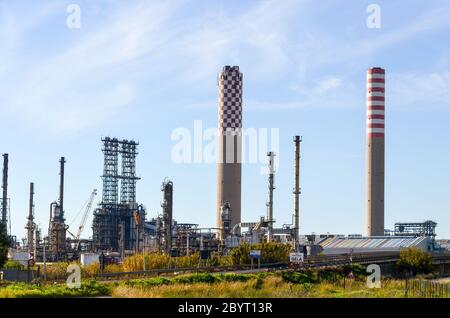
[122, 226]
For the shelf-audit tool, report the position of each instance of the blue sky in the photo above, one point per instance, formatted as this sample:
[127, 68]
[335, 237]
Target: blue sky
[140, 69]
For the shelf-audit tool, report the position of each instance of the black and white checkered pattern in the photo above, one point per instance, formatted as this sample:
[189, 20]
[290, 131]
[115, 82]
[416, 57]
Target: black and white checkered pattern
[230, 100]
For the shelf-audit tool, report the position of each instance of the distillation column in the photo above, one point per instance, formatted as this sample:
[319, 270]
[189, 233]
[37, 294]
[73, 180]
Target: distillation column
[269, 203]
[167, 205]
[31, 226]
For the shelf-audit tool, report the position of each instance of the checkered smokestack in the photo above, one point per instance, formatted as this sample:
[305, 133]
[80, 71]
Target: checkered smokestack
[375, 151]
[229, 146]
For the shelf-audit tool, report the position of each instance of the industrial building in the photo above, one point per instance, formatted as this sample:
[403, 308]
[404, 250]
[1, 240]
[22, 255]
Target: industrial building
[337, 245]
[420, 235]
[121, 225]
[118, 222]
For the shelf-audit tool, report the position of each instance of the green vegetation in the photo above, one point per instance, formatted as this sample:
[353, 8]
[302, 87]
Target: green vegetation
[270, 253]
[11, 264]
[414, 261]
[88, 288]
[190, 279]
[4, 243]
[292, 284]
[159, 261]
[288, 284]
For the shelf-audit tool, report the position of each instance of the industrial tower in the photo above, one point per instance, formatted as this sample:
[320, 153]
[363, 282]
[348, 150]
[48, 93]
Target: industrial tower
[31, 226]
[297, 191]
[375, 151]
[229, 145]
[4, 220]
[117, 224]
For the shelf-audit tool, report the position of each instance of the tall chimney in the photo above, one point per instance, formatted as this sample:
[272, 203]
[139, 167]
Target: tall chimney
[61, 184]
[5, 191]
[229, 144]
[296, 216]
[375, 151]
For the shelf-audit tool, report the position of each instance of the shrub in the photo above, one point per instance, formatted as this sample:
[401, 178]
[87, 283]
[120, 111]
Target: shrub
[135, 263]
[232, 277]
[358, 270]
[414, 260]
[11, 264]
[297, 278]
[196, 278]
[270, 253]
[56, 271]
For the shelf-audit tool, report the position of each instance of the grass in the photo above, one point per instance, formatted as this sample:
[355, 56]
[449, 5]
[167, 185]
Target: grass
[271, 285]
[88, 288]
[308, 284]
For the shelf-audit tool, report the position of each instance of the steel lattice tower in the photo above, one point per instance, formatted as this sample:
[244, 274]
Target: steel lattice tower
[110, 170]
[128, 152]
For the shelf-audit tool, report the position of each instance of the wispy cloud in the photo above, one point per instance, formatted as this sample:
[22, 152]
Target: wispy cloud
[87, 81]
[144, 48]
[419, 91]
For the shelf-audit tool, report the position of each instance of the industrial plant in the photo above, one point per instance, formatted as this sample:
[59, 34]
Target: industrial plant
[122, 226]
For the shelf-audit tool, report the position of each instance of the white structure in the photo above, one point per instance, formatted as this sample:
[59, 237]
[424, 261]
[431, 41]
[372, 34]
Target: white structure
[89, 258]
[337, 245]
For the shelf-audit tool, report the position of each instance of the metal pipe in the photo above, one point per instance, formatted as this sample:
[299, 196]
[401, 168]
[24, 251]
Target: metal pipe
[5, 191]
[30, 225]
[61, 185]
[297, 191]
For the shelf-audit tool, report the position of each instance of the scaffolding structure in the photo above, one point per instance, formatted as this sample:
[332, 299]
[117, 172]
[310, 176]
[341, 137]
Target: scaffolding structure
[185, 239]
[128, 152]
[427, 228]
[119, 221]
[110, 170]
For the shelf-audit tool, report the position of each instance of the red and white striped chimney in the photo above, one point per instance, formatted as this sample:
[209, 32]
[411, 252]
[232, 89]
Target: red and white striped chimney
[375, 151]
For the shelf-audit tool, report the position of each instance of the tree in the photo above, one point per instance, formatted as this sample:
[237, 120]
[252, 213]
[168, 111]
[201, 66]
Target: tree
[4, 244]
[414, 260]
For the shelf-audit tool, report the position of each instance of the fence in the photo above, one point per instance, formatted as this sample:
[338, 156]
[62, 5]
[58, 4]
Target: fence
[426, 289]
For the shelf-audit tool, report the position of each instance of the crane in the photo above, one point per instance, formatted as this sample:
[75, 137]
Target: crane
[83, 219]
